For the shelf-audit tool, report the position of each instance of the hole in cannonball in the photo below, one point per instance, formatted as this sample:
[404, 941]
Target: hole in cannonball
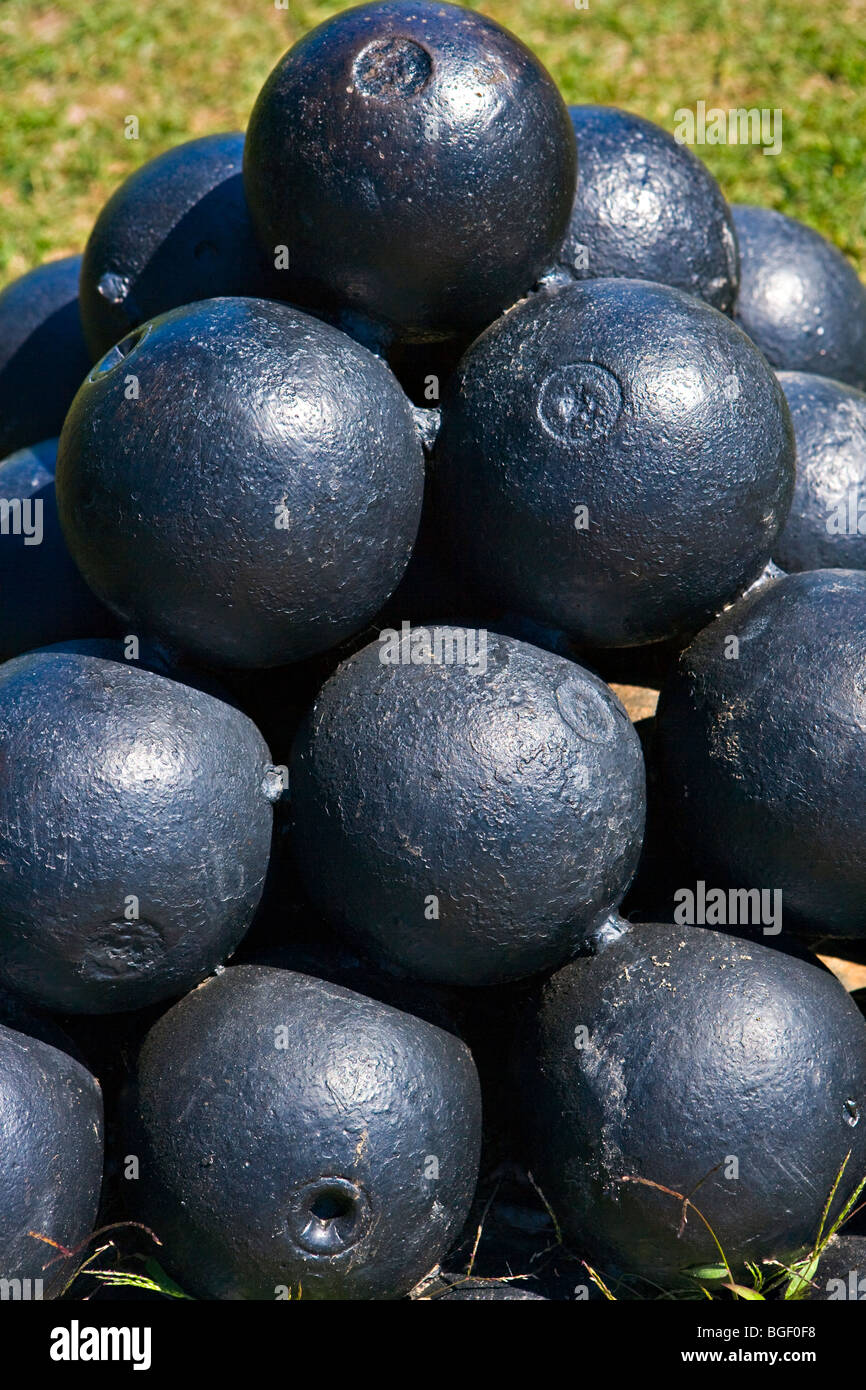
[328, 1215]
[117, 354]
[329, 1206]
[125, 346]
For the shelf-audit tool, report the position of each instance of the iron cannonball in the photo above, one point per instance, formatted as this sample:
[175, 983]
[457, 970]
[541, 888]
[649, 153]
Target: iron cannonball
[294, 1134]
[760, 749]
[647, 208]
[419, 165]
[253, 496]
[177, 230]
[43, 598]
[43, 355]
[615, 460]
[799, 299]
[721, 1070]
[826, 526]
[135, 831]
[467, 821]
[50, 1164]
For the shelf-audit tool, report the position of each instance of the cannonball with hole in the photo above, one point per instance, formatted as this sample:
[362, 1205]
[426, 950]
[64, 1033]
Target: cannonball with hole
[826, 526]
[50, 1164]
[43, 598]
[760, 749]
[647, 208]
[466, 807]
[679, 1062]
[418, 162]
[294, 1136]
[615, 459]
[177, 230]
[241, 481]
[800, 300]
[43, 355]
[135, 830]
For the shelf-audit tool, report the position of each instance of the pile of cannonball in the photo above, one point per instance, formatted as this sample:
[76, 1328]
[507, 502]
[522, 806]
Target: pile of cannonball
[364, 482]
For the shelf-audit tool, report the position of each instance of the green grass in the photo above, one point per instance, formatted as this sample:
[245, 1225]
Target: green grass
[71, 71]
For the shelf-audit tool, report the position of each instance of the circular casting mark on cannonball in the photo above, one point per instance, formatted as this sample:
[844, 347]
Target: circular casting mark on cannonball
[392, 67]
[590, 720]
[123, 949]
[580, 403]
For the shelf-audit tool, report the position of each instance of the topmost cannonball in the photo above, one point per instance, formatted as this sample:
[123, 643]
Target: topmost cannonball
[418, 163]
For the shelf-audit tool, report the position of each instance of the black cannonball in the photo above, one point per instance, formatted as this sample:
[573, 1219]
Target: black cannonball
[43, 355]
[295, 1137]
[241, 481]
[50, 1164]
[826, 526]
[177, 230]
[799, 299]
[135, 828]
[647, 208]
[760, 749]
[615, 459]
[724, 1071]
[419, 164]
[467, 823]
[43, 598]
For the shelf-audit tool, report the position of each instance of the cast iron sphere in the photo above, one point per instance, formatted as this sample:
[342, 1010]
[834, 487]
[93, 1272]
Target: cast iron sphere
[826, 526]
[760, 749]
[43, 355]
[241, 481]
[50, 1162]
[419, 164]
[723, 1070]
[42, 596]
[467, 824]
[647, 208]
[135, 828]
[800, 300]
[177, 230]
[294, 1133]
[615, 459]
